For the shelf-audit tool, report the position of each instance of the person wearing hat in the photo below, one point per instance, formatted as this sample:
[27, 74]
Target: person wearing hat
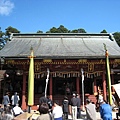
[90, 110]
[105, 110]
[73, 104]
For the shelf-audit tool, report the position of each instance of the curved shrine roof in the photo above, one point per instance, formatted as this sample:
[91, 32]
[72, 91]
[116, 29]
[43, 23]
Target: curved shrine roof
[60, 46]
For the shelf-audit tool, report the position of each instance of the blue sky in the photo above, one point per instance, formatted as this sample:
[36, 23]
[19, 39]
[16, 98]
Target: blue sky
[29, 16]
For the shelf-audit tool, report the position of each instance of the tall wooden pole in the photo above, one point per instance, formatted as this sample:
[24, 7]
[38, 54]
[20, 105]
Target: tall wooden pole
[31, 82]
[108, 75]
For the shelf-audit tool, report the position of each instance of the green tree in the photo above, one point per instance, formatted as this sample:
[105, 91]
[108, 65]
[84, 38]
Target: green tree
[2, 39]
[39, 31]
[1, 33]
[2, 42]
[5, 36]
[62, 29]
[117, 37]
[53, 30]
[81, 30]
[103, 31]
[10, 30]
[74, 31]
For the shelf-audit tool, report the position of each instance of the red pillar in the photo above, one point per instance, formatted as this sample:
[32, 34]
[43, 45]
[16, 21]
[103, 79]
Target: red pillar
[95, 87]
[24, 92]
[104, 87]
[112, 81]
[50, 88]
[78, 85]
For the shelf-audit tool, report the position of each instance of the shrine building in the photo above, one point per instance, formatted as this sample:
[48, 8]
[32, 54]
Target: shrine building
[66, 55]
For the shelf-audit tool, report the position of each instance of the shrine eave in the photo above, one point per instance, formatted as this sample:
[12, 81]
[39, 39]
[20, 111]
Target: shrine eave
[60, 57]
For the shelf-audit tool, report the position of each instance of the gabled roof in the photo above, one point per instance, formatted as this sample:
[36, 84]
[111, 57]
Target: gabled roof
[60, 46]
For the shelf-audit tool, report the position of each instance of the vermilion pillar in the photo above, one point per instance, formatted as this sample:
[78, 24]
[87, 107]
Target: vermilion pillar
[112, 80]
[50, 87]
[78, 85]
[95, 87]
[104, 87]
[23, 92]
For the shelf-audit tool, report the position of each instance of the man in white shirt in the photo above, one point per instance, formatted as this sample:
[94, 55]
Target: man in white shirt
[17, 110]
[15, 99]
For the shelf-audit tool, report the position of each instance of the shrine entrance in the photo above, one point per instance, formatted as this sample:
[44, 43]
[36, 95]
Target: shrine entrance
[88, 86]
[64, 86]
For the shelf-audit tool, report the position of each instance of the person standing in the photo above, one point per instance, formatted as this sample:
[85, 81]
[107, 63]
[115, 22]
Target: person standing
[78, 106]
[100, 96]
[90, 110]
[43, 99]
[57, 111]
[105, 111]
[6, 100]
[73, 104]
[15, 99]
[65, 106]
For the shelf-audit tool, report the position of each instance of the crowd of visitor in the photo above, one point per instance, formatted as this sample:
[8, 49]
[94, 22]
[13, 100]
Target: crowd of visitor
[60, 112]
[73, 107]
[10, 107]
[53, 110]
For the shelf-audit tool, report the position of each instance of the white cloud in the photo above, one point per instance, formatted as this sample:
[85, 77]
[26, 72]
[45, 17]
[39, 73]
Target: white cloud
[6, 7]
